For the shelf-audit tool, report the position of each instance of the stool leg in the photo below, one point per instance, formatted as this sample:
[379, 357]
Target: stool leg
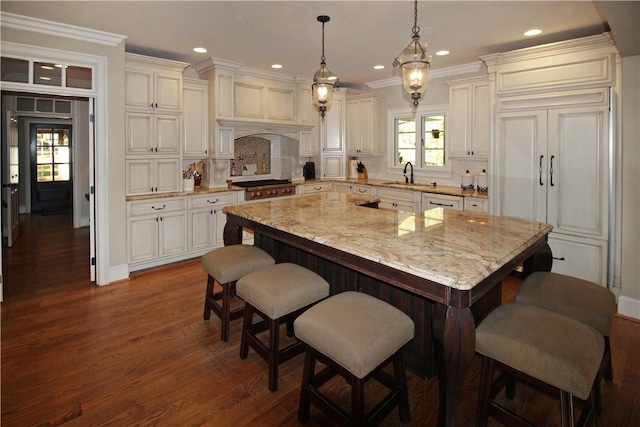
[307, 376]
[274, 345]
[566, 409]
[401, 381]
[246, 326]
[357, 402]
[209, 293]
[226, 309]
[482, 411]
[608, 375]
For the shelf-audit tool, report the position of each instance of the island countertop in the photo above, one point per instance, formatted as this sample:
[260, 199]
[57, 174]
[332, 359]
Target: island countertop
[457, 249]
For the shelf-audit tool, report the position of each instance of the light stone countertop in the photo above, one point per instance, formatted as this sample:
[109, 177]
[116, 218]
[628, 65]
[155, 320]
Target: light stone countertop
[457, 249]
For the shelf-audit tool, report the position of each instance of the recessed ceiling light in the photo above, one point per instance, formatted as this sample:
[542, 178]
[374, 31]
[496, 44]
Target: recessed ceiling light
[533, 32]
[378, 67]
[200, 50]
[442, 52]
[276, 66]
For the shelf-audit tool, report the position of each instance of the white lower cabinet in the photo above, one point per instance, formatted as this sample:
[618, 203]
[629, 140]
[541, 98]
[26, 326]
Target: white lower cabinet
[579, 257]
[314, 188]
[207, 221]
[156, 229]
[478, 204]
[402, 200]
[430, 201]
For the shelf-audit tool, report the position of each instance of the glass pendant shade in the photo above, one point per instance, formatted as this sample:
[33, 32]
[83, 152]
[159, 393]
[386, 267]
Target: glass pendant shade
[415, 64]
[322, 89]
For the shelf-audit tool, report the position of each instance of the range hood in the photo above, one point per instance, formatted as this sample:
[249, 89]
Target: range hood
[245, 128]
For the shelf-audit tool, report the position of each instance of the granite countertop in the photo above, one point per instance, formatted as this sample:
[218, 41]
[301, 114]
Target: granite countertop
[422, 187]
[454, 248]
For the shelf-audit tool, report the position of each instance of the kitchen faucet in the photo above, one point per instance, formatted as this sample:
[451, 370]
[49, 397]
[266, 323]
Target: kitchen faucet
[406, 180]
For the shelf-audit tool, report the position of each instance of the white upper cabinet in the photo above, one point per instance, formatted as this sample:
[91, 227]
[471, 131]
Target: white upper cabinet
[468, 130]
[149, 133]
[153, 84]
[195, 118]
[364, 125]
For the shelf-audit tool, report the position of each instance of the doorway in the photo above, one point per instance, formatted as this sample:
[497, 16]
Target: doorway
[51, 168]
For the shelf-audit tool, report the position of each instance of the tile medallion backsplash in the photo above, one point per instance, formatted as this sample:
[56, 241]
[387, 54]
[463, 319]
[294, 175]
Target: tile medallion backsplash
[252, 156]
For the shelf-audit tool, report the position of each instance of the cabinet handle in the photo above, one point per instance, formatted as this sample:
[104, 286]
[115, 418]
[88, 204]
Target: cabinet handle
[215, 201]
[551, 172]
[440, 204]
[155, 189]
[158, 209]
[559, 258]
[161, 219]
[157, 218]
[151, 149]
[540, 170]
[317, 188]
[360, 190]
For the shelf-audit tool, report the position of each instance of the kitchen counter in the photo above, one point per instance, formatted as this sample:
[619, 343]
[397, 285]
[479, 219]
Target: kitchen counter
[441, 267]
[457, 249]
[196, 192]
[422, 187]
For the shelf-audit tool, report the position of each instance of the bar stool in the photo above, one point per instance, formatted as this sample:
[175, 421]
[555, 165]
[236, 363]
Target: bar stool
[550, 351]
[582, 300]
[354, 335]
[225, 266]
[278, 294]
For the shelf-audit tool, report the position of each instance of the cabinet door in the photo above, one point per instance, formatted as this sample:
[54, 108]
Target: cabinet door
[354, 138]
[201, 229]
[366, 123]
[194, 116]
[142, 238]
[481, 122]
[139, 176]
[333, 125]
[220, 221]
[339, 187]
[167, 175]
[522, 160]
[224, 144]
[139, 133]
[430, 201]
[168, 91]
[578, 257]
[167, 134]
[139, 89]
[333, 166]
[308, 144]
[172, 236]
[458, 130]
[577, 171]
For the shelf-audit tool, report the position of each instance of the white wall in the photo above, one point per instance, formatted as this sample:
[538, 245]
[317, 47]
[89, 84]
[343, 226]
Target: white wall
[629, 300]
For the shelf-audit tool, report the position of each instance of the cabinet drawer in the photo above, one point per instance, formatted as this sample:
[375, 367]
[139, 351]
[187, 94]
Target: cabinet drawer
[319, 187]
[156, 206]
[430, 201]
[476, 204]
[395, 195]
[213, 199]
[362, 189]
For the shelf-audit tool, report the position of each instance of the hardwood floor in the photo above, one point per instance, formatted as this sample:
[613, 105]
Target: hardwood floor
[139, 353]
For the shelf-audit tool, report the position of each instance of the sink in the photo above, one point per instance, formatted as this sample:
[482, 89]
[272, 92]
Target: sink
[396, 183]
[415, 184]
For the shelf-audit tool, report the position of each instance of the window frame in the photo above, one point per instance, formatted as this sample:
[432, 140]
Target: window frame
[418, 114]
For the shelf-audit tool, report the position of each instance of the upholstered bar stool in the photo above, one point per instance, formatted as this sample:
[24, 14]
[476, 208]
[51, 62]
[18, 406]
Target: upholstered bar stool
[354, 335]
[278, 294]
[225, 266]
[547, 350]
[580, 299]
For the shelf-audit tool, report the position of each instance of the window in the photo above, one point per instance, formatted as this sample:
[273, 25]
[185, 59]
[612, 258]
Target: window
[419, 138]
[53, 155]
[46, 73]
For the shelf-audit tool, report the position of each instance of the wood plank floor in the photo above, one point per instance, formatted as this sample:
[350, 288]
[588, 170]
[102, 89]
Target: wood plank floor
[139, 353]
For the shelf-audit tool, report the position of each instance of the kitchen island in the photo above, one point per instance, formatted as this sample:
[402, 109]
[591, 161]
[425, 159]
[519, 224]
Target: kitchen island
[442, 267]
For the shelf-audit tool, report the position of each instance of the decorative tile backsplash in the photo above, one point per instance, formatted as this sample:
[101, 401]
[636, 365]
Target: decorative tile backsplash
[252, 156]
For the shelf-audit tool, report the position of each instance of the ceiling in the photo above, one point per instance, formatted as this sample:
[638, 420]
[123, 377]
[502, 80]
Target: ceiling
[359, 35]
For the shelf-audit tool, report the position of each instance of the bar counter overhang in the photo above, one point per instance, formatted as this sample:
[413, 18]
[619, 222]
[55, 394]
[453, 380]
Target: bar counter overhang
[441, 267]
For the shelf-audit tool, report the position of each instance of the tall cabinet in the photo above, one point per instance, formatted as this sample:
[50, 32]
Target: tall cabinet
[552, 152]
[332, 135]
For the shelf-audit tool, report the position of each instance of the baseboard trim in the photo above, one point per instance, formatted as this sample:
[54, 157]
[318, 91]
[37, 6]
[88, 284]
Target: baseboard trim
[629, 307]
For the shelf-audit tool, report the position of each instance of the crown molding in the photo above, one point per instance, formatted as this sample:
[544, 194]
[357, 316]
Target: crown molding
[435, 74]
[36, 25]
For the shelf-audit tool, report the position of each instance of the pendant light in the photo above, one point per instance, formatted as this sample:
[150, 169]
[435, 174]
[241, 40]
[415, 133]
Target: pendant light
[414, 62]
[323, 80]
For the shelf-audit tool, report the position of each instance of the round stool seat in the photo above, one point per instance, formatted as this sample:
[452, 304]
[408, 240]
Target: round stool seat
[356, 330]
[548, 346]
[230, 263]
[585, 301]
